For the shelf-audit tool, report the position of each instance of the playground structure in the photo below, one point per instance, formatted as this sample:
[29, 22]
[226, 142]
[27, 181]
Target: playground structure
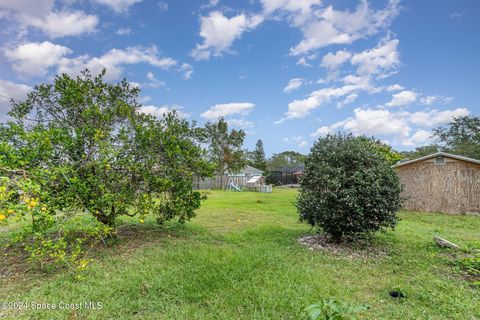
[249, 178]
[231, 186]
[255, 183]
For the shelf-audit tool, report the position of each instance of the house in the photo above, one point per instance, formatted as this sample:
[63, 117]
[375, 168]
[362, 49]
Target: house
[441, 182]
[247, 171]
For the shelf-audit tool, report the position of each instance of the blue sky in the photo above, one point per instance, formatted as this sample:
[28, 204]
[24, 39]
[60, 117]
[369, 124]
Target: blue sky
[285, 71]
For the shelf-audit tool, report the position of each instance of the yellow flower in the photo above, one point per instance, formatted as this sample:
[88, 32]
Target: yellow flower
[141, 221]
[2, 217]
[44, 208]
[83, 264]
[10, 211]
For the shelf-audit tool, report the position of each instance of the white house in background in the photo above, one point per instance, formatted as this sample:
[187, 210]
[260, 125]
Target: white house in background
[247, 171]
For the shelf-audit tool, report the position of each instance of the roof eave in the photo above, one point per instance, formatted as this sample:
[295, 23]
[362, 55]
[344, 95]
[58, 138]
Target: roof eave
[433, 155]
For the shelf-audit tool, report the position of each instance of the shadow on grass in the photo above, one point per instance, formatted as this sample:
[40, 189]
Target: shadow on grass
[17, 266]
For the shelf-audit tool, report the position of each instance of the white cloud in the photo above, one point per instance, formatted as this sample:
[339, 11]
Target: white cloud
[293, 6]
[321, 26]
[134, 84]
[371, 122]
[144, 99]
[303, 144]
[219, 32]
[322, 131]
[378, 60]
[396, 125]
[119, 6]
[124, 31]
[394, 87]
[293, 84]
[293, 139]
[187, 70]
[419, 138]
[361, 81]
[334, 60]
[162, 6]
[30, 8]
[160, 111]
[301, 108]
[13, 90]
[61, 24]
[402, 98]
[297, 12]
[113, 61]
[348, 100]
[303, 62]
[436, 117]
[228, 109]
[455, 15]
[318, 35]
[34, 58]
[429, 100]
[210, 4]
[154, 82]
[327, 26]
[40, 14]
[299, 141]
[240, 123]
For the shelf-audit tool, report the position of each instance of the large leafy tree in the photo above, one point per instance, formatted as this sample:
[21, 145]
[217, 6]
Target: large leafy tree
[86, 144]
[461, 136]
[224, 147]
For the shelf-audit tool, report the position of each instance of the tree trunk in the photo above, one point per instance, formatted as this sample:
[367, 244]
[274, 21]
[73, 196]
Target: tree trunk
[108, 220]
[222, 173]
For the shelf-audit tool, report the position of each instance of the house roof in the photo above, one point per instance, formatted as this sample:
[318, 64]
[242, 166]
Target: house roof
[247, 170]
[434, 155]
[251, 170]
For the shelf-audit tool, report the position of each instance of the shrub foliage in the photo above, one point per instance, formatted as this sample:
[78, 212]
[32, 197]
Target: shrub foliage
[349, 188]
[82, 146]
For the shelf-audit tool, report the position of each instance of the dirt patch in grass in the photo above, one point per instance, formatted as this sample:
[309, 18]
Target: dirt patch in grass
[133, 237]
[358, 250]
[14, 262]
[16, 266]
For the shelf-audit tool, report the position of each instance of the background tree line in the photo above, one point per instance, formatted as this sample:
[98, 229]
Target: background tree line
[461, 137]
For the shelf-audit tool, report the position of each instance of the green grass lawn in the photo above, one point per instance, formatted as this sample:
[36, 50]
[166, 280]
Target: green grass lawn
[240, 259]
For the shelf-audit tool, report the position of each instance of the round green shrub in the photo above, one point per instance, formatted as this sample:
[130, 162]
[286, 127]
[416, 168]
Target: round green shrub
[349, 189]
